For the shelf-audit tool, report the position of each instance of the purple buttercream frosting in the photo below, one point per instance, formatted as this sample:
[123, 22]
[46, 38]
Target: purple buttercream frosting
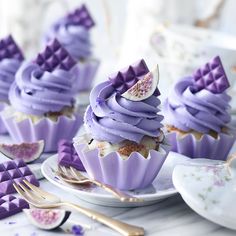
[201, 111]
[38, 92]
[72, 31]
[8, 69]
[113, 118]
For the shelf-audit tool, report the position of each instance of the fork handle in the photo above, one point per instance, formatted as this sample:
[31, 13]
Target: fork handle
[119, 226]
[121, 195]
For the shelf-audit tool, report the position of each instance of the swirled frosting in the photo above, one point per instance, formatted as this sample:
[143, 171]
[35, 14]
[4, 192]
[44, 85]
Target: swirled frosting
[201, 111]
[113, 118]
[74, 38]
[38, 92]
[8, 68]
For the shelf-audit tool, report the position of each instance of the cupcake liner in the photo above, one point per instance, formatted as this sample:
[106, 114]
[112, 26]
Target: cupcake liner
[50, 131]
[206, 147]
[135, 172]
[85, 72]
[3, 129]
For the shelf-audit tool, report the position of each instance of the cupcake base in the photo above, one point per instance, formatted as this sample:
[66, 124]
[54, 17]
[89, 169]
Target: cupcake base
[135, 172]
[45, 129]
[206, 146]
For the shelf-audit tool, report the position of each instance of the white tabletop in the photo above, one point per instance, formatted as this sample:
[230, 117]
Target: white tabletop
[169, 217]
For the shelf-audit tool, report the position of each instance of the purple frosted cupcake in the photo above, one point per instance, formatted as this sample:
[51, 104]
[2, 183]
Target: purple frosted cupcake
[73, 32]
[197, 114]
[124, 146]
[11, 58]
[42, 101]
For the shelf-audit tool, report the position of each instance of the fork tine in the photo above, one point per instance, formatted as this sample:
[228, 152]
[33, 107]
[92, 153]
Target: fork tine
[74, 173]
[19, 190]
[42, 193]
[34, 197]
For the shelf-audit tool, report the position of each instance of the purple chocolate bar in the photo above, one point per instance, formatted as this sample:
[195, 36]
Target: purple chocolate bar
[211, 76]
[55, 56]
[14, 172]
[80, 16]
[9, 49]
[10, 205]
[67, 156]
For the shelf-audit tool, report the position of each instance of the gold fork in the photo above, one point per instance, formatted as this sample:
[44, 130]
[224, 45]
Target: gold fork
[73, 176]
[42, 199]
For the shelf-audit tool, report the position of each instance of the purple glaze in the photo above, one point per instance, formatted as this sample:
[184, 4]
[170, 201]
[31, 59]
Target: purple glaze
[201, 111]
[72, 31]
[14, 172]
[67, 156]
[54, 57]
[113, 118]
[11, 205]
[211, 77]
[38, 92]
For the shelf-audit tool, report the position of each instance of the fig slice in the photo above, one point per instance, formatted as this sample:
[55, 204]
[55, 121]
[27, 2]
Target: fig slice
[47, 219]
[144, 88]
[28, 152]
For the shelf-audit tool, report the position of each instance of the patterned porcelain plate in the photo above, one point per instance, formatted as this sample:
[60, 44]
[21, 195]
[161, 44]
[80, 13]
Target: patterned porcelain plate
[161, 188]
[209, 188]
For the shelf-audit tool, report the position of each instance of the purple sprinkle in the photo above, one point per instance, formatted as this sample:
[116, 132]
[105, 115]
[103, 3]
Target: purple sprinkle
[77, 230]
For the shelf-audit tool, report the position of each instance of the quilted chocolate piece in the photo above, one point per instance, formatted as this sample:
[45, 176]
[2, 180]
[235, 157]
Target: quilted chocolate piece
[126, 78]
[9, 49]
[211, 77]
[10, 205]
[80, 16]
[14, 172]
[67, 156]
[55, 57]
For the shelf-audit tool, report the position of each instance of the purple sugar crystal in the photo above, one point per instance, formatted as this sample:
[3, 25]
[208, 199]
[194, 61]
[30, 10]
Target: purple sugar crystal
[80, 16]
[55, 57]
[9, 49]
[67, 156]
[14, 172]
[10, 205]
[127, 77]
[211, 76]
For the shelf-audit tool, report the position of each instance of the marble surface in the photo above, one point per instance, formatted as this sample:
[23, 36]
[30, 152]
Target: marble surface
[168, 217]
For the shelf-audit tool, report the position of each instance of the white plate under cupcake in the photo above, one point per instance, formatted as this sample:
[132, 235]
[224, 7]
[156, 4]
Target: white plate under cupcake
[161, 188]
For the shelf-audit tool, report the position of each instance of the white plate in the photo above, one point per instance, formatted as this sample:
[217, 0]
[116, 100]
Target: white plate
[209, 189]
[161, 188]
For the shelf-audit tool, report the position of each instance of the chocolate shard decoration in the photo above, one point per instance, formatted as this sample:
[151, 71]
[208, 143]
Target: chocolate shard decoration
[80, 16]
[14, 172]
[9, 49]
[127, 77]
[211, 76]
[67, 156]
[55, 57]
[11, 205]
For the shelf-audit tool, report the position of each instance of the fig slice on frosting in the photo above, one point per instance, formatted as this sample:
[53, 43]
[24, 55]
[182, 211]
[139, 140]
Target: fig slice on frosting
[144, 88]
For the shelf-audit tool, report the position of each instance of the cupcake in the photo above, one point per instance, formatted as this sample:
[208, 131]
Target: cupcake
[197, 114]
[73, 32]
[11, 58]
[42, 101]
[124, 145]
